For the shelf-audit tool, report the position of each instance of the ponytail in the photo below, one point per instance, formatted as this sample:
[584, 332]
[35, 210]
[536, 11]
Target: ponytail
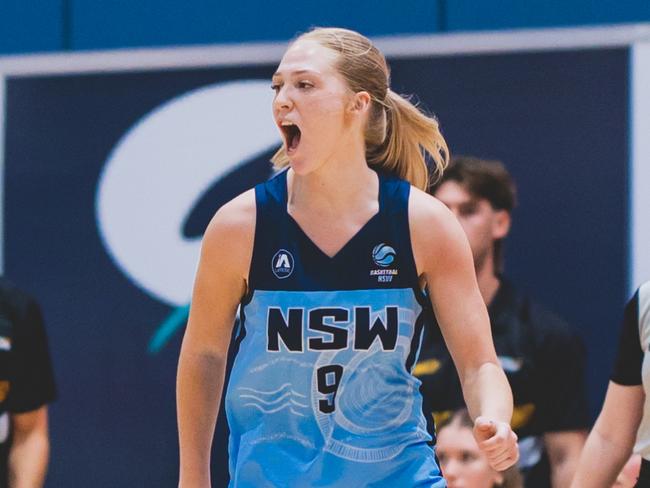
[410, 135]
[280, 159]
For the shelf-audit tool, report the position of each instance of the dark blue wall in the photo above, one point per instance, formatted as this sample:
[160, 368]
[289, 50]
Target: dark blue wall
[114, 422]
[28, 26]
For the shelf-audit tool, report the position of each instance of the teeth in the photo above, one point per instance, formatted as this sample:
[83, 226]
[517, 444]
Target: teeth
[287, 124]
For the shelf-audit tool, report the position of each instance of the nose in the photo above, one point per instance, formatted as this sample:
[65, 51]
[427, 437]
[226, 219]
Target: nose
[450, 469]
[282, 101]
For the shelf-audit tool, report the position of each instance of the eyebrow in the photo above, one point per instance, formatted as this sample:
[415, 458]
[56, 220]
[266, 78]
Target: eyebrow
[471, 201]
[298, 72]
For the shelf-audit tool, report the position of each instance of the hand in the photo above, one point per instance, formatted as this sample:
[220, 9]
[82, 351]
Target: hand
[497, 441]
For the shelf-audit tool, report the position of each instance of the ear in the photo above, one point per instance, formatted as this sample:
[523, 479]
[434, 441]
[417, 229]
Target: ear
[501, 224]
[360, 102]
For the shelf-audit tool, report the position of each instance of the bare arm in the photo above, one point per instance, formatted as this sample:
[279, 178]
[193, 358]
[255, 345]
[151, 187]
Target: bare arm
[30, 449]
[610, 443]
[564, 450]
[219, 286]
[445, 261]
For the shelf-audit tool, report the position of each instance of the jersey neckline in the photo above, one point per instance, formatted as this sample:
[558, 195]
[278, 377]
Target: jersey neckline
[359, 234]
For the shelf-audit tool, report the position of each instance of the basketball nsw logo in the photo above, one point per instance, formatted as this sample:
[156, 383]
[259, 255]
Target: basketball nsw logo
[383, 255]
[282, 264]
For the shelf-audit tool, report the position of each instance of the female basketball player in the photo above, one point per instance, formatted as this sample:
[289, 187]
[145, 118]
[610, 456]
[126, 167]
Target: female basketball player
[624, 421]
[329, 260]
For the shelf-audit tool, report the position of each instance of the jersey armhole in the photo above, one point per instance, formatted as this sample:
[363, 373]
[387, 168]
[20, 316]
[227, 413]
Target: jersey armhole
[250, 279]
[421, 294]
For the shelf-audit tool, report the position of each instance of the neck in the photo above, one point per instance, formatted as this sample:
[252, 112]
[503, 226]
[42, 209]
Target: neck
[337, 186]
[488, 283]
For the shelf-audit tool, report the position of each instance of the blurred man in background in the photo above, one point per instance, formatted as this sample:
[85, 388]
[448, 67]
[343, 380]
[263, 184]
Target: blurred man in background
[543, 360]
[26, 387]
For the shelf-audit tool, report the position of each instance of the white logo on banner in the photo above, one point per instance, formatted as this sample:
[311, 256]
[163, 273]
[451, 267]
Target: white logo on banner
[162, 166]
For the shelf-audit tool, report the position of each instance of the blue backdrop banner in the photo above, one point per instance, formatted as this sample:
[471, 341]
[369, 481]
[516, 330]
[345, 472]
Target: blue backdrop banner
[111, 178]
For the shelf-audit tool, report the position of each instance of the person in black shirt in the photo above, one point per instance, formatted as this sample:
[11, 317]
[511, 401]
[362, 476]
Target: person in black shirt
[624, 421]
[26, 387]
[543, 360]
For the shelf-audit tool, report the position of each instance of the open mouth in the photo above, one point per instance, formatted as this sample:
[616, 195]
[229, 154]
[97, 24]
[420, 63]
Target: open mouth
[291, 136]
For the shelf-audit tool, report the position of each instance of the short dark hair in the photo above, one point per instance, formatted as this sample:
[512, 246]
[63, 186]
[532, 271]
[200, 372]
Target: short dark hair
[483, 178]
[487, 179]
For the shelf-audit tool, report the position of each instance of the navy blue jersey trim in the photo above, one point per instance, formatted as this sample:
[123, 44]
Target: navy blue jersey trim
[313, 270]
[306, 290]
[420, 295]
[240, 333]
[283, 194]
[416, 341]
[266, 212]
[250, 286]
[260, 199]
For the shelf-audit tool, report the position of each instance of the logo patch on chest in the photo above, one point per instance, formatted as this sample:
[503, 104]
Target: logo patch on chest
[383, 256]
[282, 264]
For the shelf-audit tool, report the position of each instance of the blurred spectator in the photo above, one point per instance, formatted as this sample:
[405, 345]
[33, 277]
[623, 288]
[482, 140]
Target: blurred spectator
[462, 462]
[623, 424]
[26, 387]
[543, 360]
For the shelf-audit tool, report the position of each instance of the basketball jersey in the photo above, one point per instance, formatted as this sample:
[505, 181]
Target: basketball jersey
[321, 391]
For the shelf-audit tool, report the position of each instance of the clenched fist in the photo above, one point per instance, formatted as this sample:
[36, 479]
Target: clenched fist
[497, 441]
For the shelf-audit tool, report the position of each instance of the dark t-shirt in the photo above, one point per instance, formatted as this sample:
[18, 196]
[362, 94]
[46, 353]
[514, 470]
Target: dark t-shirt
[544, 363]
[632, 366]
[627, 368]
[26, 379]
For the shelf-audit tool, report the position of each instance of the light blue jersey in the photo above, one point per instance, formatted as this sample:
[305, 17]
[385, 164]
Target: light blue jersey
[321, 391]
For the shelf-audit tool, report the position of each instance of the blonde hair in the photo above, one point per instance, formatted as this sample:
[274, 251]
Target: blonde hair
[398, 135]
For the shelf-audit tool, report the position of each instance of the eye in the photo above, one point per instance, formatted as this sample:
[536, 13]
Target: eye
[467, 457]
[304, 85]
[276, 87]
[468, 209]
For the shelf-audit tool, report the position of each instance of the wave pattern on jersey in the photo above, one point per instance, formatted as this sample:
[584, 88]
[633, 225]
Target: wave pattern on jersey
[326, 383]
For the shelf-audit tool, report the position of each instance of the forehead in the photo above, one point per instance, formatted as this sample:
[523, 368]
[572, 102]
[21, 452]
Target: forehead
[454, 436]
[307, 55]
[452, 191]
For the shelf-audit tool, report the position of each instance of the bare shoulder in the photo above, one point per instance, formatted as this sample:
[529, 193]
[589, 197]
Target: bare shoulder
[237, 216]
[230, 234]
[429, 218]
[435, 232]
